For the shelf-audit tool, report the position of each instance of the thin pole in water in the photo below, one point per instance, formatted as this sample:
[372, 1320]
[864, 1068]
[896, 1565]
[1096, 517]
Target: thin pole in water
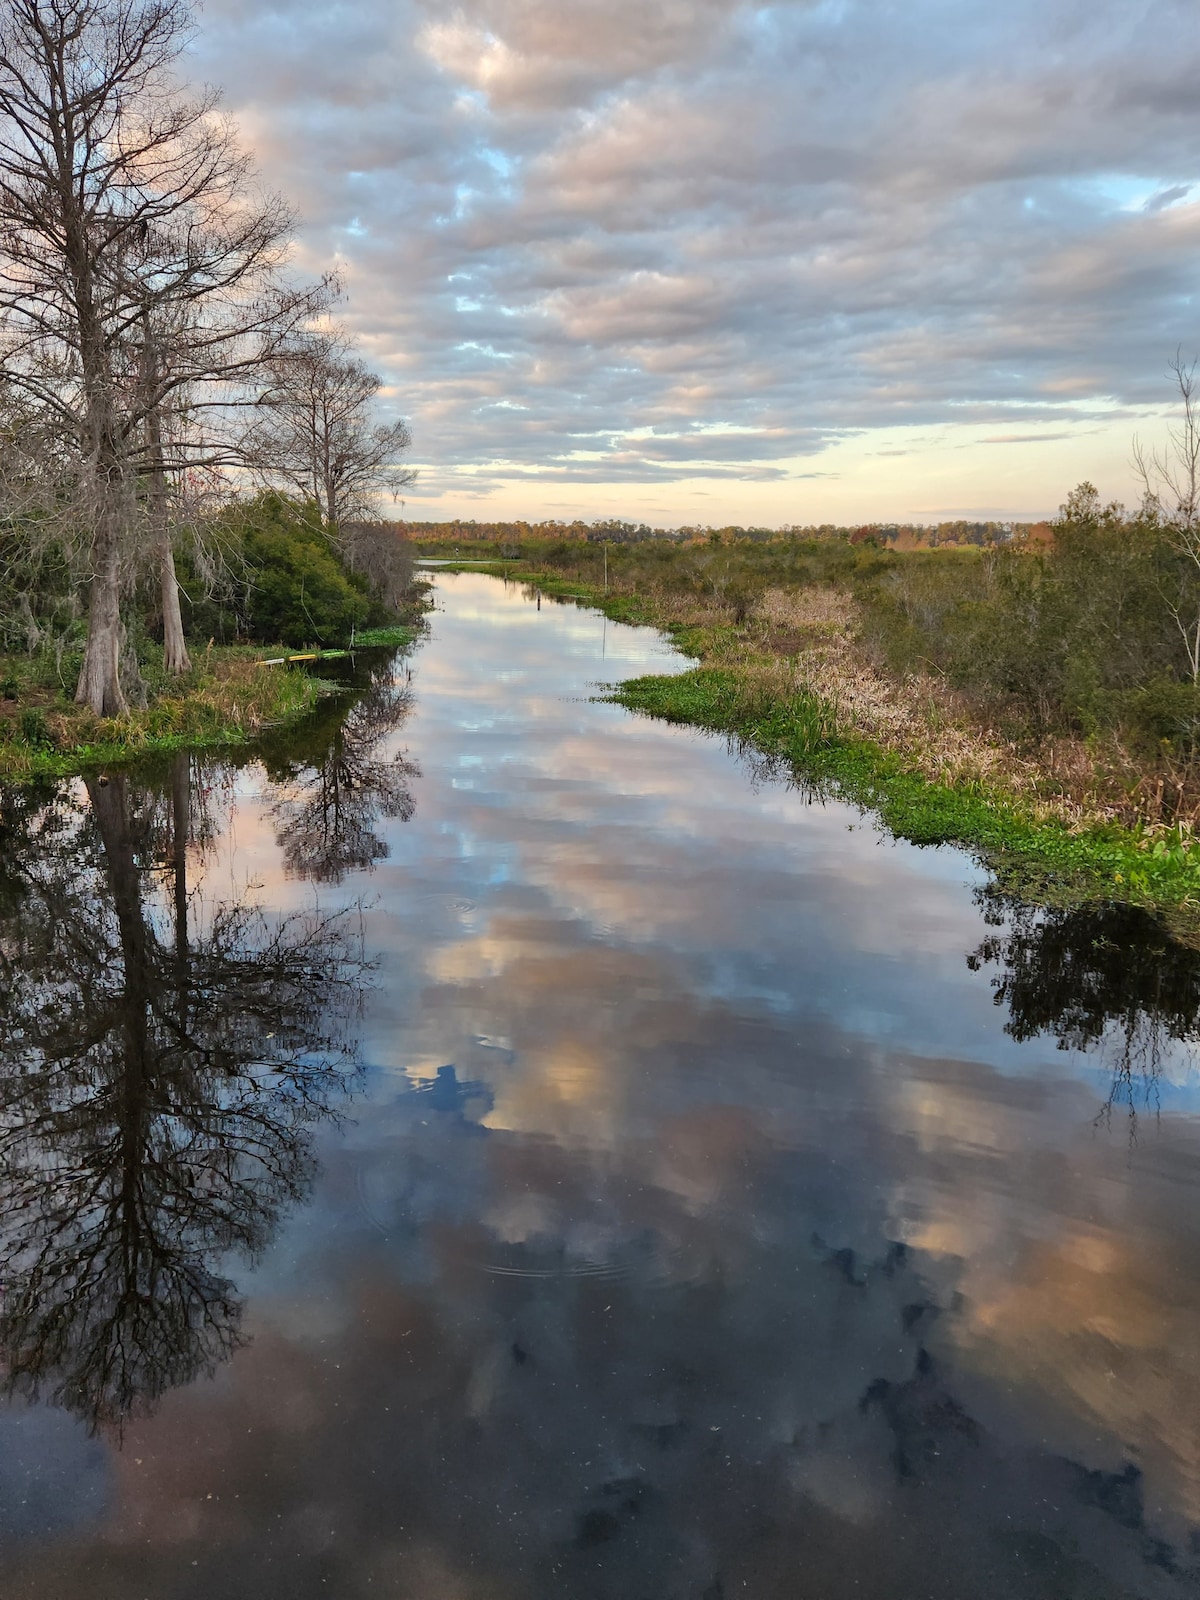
[606, 566]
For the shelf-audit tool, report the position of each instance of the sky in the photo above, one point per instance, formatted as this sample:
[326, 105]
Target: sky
[700, 261]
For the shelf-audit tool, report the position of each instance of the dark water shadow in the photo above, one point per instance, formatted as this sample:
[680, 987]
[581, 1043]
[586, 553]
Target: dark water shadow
[164, 1060]
[335, 781]
[1107, 978]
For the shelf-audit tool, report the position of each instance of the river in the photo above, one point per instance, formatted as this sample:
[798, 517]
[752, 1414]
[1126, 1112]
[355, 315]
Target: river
[488, 1146]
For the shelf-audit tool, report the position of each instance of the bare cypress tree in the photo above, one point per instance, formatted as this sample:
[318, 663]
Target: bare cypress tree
[126, 205]
[317, 437]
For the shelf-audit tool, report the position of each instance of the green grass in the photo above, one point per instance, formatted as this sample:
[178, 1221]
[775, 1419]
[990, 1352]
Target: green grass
[467, 564]
[227, 699]
[1041, 858]
[393, 638]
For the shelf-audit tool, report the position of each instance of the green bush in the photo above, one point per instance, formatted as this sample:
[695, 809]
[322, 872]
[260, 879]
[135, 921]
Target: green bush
[35, 730]
[1076, 636]
[283, 580]
[42, 578]
[559, 554]
[299, 591]
[1164, 711]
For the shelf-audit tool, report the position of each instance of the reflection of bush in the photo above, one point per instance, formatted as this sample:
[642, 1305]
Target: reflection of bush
[1093, 974]
[157, 1094]
[326, 816]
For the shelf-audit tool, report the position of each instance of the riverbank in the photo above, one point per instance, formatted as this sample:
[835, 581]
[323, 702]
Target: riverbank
[787, 683]
[232, 696]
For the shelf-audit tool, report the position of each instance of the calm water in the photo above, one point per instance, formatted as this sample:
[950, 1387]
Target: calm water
[495, 1147]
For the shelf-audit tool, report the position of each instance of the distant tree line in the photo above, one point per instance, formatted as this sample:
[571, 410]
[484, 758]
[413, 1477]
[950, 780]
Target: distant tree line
[618, 531]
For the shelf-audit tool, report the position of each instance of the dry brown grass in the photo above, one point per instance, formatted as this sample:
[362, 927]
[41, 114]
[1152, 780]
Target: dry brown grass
[942, 733]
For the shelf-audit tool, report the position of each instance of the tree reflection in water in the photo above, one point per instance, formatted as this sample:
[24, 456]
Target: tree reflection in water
[326, 818]
[163, 1062]
[1108, 976]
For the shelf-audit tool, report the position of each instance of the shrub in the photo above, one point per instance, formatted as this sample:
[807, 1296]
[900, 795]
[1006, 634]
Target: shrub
[299, 592]
[1072, 636]
[35, 730]
[284, 580]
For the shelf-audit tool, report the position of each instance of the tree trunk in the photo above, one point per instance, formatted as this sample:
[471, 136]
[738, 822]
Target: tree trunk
[100, 680]
[175, 655]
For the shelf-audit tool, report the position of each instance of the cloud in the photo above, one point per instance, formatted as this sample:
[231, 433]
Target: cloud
[562, 225]
[1024, 438]
[525, 55]
[1168, 197]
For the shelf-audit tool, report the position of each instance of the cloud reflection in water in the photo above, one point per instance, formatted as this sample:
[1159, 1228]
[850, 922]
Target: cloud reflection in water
[702, 1231]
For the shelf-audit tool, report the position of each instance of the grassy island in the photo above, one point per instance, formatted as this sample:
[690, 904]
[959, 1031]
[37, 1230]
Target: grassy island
[231, 696]
[288, 594]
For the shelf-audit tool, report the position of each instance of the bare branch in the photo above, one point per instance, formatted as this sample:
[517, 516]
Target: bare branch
[316, 437]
